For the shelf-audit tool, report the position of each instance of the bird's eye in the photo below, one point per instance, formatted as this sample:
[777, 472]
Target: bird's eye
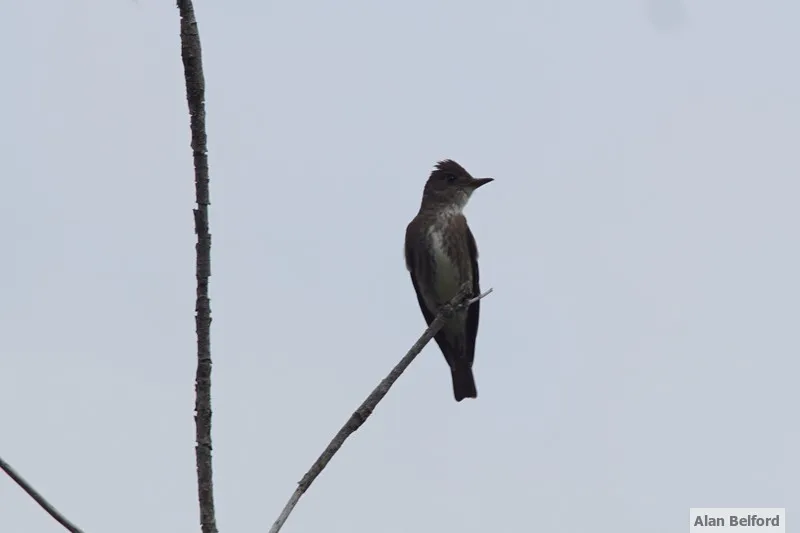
[450, 178]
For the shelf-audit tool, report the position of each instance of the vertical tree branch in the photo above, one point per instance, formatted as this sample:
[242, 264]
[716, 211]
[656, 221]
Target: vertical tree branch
[195, 96]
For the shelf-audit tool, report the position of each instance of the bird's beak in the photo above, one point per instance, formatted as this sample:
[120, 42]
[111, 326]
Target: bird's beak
[480, 182]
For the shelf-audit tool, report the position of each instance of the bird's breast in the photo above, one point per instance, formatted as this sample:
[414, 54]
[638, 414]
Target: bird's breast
[447, 276]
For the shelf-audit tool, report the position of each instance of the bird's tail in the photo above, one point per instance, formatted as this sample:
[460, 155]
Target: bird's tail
[463, 381]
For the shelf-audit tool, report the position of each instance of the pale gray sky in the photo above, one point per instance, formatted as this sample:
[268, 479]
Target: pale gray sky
[639, 354]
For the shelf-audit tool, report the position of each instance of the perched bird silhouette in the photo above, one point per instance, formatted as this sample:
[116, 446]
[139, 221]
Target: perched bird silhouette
[441, 255]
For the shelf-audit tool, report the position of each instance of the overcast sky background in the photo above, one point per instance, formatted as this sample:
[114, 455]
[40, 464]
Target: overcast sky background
[638, 357]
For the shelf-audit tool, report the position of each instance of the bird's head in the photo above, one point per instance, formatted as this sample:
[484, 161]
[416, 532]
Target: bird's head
[450, 184]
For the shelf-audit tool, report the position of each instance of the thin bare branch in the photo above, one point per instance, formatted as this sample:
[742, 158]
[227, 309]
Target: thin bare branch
[195, 96]
[460, 301]
[60, 518]
[479, 297]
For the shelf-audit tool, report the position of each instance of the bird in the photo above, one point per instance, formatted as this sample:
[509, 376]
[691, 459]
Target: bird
[441, 255]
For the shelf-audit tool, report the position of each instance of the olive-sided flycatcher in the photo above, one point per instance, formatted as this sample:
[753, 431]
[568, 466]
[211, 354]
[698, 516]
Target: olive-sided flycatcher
[441, 256]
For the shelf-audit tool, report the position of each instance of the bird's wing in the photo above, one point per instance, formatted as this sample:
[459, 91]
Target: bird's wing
[474, 310]
[413, 263]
